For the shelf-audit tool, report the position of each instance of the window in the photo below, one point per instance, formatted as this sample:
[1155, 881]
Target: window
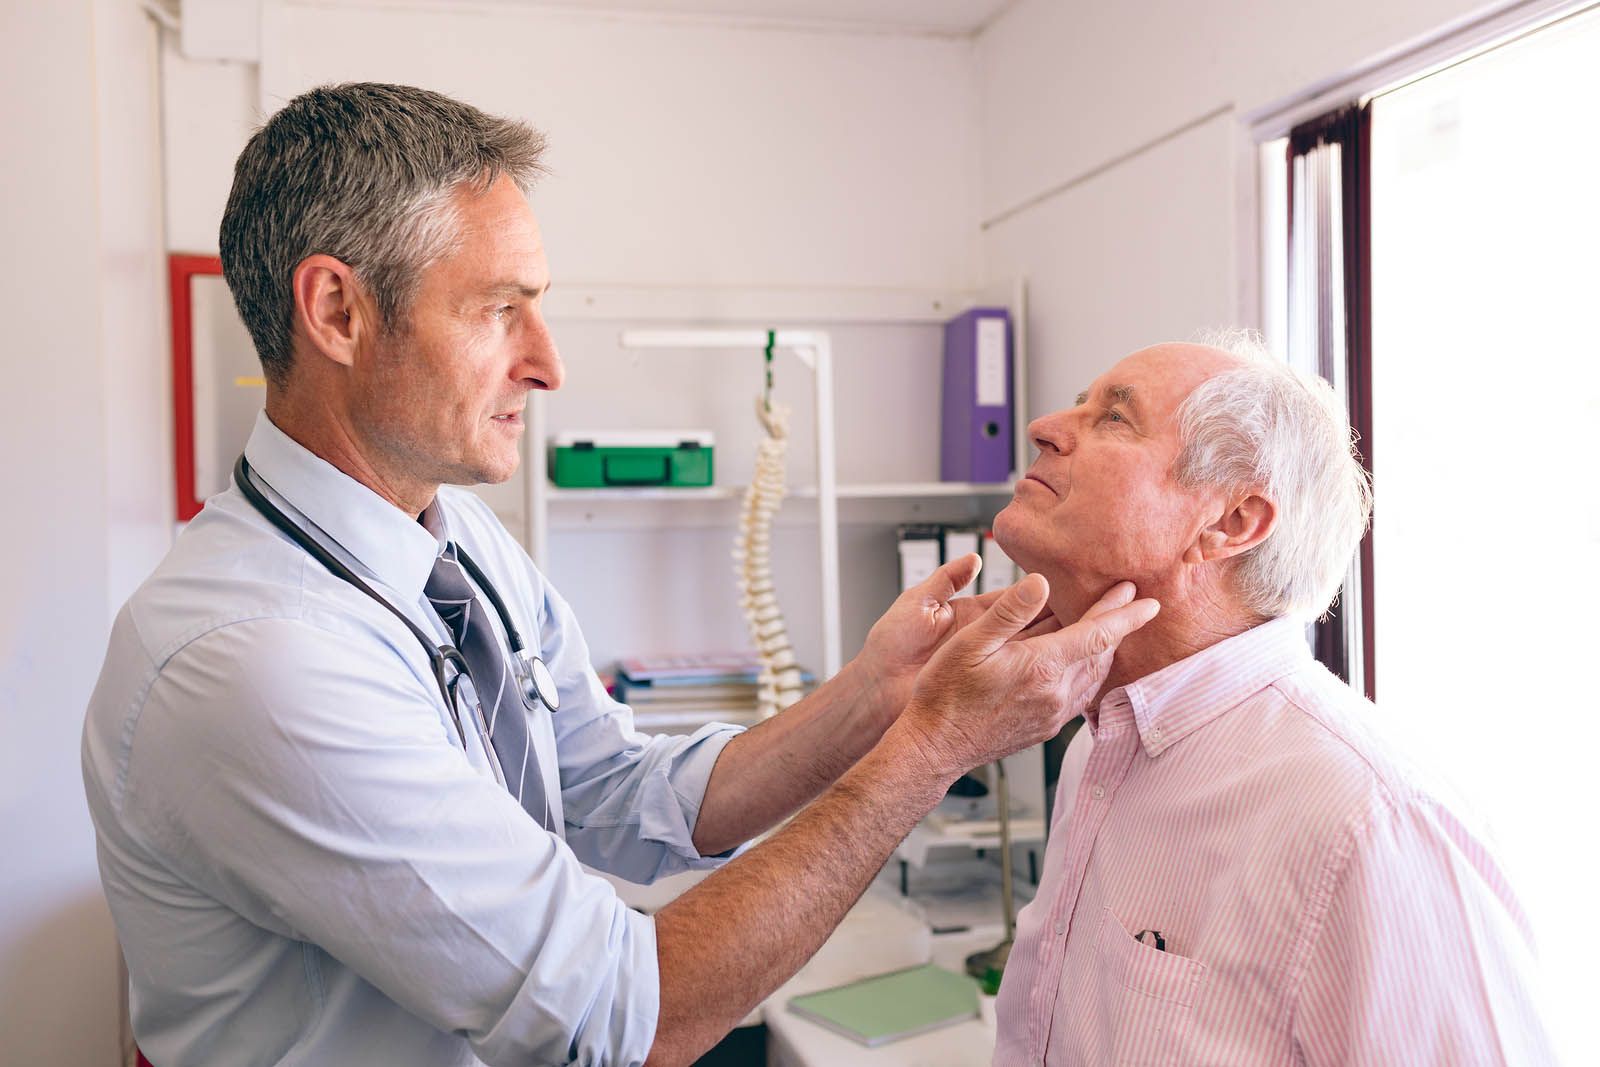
[1486, 415]
[1483, 305]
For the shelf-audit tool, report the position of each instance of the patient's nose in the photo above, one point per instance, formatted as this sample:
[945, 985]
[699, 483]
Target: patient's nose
[1053, 433]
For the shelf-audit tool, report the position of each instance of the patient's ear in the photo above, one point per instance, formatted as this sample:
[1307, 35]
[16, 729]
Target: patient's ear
[1244, 524]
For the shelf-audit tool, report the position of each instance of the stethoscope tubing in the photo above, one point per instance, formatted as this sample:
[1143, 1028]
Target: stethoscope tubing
[438, 654]
[481, 580]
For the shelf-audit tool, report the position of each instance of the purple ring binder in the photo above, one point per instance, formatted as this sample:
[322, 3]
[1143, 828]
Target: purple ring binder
[977, 399]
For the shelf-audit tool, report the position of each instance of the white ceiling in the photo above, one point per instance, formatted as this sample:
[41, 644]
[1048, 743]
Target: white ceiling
[953, 17]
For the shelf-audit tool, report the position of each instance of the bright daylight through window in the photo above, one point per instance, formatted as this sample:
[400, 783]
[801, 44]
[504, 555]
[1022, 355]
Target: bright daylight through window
[1485, 304]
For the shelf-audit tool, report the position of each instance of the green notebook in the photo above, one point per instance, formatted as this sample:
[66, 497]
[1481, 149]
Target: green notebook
[875, 1011]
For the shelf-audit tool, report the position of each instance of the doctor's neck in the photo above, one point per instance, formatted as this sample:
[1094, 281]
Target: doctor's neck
[330, 436]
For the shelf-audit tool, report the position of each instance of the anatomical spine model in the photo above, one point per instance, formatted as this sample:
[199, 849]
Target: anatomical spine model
[778, 684]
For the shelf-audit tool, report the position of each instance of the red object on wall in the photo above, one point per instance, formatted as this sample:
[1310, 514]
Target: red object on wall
[180, 270]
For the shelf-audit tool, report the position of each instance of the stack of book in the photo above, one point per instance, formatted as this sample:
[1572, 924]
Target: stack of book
[681, 693]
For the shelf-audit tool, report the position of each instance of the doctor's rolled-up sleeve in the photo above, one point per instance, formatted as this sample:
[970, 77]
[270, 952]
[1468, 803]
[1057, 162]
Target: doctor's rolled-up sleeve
[631, 800]
[327, 804]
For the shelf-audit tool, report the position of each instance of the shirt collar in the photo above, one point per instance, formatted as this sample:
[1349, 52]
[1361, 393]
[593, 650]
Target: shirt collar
[1172, 703]
[394, 548]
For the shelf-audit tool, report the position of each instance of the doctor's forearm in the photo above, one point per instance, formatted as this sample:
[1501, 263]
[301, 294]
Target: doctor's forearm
[771, 771]
[725, 945]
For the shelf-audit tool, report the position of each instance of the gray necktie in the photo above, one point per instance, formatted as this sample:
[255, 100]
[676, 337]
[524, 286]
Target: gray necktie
[507, 719]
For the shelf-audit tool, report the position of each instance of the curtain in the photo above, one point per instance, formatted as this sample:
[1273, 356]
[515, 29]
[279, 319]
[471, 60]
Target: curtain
[1330, 331]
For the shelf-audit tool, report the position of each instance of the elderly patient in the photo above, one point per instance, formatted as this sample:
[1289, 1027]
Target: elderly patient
[1241, 871]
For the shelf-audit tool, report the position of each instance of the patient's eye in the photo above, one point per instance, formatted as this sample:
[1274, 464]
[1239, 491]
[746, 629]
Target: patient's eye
[1113, 415]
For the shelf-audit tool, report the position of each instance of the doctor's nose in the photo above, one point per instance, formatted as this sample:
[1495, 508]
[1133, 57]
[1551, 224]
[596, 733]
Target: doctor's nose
[541, 365]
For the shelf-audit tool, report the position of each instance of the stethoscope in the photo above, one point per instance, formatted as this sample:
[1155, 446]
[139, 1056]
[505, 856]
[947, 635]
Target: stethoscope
[534, 681]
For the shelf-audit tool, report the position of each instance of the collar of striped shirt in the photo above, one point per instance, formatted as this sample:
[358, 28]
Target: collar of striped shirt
[1172, 703]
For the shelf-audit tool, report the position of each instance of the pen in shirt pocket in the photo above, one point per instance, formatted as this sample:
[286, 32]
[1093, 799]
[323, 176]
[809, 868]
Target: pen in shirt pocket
[1155, 940]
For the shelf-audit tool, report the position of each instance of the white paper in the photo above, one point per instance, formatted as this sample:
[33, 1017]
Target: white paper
[991, 362]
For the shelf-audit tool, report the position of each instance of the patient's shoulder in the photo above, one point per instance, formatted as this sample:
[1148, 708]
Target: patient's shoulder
[1373, 754]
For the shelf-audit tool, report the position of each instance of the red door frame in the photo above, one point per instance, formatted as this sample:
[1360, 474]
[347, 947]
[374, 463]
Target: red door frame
[181, 270]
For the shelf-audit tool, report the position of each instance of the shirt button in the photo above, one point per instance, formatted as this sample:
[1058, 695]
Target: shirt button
[1099, 792]
[1061, 927]
[1155, 735]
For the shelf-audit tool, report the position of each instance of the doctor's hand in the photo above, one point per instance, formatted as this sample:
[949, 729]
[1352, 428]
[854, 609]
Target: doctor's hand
[1012, 679]
[916, 626]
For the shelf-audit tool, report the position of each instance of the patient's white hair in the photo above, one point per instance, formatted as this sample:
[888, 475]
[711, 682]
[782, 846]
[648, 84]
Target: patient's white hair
[1272, 429]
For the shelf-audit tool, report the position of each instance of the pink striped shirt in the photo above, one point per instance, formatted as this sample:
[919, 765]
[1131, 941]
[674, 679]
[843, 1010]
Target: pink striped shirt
[1316, 904]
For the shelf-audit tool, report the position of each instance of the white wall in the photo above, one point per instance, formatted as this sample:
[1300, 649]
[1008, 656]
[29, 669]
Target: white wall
[1139, 253]
[1152, 237]
[210, 109]
[135, 334]
[684, 152]
[81, 433]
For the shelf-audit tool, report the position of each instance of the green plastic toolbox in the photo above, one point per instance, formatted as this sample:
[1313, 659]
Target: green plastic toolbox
[612, 459]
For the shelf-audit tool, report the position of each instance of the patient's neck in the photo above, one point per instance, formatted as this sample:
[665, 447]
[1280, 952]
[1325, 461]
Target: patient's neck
[1191, 619]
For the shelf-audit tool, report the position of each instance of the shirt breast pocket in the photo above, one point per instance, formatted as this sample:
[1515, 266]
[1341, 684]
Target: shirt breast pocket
[1146, 997]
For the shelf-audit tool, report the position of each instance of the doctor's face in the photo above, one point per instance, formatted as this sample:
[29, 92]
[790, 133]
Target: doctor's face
[443, 395]
[1099, 504]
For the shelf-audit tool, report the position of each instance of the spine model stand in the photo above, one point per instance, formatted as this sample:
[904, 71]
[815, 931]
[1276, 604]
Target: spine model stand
[778, 684]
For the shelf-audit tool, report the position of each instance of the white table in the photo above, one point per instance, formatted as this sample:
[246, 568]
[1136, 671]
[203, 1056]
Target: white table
[857, 950]
[880, 934]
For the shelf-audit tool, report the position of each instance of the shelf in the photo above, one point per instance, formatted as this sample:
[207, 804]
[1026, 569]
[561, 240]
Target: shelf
[901, 490]
[927, 837]
[756, 305]
[865, 491]
[706, 321]
[881, 504]
[600, 496]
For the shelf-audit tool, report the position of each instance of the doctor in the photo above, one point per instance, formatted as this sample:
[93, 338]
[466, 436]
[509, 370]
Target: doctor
[347, 753]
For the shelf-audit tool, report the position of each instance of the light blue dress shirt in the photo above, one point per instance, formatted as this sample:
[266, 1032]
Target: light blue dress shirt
[306, 863]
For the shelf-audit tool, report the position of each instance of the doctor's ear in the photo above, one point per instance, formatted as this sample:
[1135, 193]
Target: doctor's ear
[332, 308]
[1244, 525]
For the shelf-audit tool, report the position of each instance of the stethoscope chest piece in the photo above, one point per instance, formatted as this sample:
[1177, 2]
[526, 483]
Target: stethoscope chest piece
[538, 685]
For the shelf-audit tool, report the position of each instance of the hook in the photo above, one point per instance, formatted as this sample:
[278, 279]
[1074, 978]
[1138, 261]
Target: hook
[772, 342]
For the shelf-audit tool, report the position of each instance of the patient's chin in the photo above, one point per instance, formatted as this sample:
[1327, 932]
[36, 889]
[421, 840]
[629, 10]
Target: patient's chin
[1010, 534]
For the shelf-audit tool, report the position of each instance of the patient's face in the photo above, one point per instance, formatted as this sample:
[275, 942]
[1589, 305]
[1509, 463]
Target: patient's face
[1099, 504]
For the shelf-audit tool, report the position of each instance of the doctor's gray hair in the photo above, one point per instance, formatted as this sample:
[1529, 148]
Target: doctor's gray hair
[1270, 428]
[365, 173]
